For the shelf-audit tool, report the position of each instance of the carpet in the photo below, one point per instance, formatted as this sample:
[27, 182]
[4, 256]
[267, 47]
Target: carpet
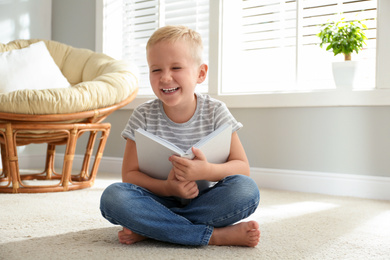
[293, 225]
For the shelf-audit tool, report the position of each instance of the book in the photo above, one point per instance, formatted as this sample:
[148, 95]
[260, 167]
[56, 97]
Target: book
[153, 152]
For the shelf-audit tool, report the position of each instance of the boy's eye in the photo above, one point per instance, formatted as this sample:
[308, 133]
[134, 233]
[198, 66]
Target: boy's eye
[176, 68]
[156, 70]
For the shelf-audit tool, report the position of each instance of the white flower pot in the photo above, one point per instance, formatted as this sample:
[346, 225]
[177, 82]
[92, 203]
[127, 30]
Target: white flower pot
[344, 74]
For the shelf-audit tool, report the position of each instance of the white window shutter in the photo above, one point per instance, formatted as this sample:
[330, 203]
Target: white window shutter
[315, 63]
[273, 44]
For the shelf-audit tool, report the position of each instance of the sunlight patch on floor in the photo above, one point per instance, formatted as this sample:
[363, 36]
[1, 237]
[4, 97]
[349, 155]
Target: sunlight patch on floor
[276, 213]
[378, 223]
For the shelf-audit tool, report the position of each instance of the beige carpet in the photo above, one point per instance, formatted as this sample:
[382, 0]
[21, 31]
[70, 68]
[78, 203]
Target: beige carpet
[293, 226]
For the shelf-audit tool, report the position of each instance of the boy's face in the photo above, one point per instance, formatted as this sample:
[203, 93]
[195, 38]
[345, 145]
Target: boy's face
[173, 73]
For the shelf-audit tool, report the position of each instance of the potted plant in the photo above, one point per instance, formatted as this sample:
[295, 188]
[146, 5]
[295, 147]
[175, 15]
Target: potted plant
[343, 37]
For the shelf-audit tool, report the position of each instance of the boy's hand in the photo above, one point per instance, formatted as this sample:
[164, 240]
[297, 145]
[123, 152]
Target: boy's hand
[182, 189]
[191, 170]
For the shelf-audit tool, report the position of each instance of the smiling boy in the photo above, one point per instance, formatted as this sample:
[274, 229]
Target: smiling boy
[175, 210]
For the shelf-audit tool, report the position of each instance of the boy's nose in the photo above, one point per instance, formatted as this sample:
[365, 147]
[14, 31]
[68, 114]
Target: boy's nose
[166, 77]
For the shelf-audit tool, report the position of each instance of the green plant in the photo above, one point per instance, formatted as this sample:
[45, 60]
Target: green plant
[343, 37]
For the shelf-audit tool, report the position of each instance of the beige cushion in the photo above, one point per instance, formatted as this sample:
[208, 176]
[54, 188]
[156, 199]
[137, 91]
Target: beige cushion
[29, 68]
[97, 81]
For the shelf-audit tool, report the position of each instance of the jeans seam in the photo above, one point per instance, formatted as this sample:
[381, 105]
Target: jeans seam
[206, 238]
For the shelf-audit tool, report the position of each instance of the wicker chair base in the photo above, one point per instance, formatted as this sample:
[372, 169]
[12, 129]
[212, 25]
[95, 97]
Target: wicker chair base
[55, 129]
[14, 134]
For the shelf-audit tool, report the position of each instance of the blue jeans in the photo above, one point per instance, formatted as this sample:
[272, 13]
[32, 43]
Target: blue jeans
[167, 219]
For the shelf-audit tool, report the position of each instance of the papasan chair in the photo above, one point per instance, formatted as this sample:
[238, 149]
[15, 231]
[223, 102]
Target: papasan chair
[97, 85]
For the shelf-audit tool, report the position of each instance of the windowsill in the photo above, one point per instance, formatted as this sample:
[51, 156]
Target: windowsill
[323, 98]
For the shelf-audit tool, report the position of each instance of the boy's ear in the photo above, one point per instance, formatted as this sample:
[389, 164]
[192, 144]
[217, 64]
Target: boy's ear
[202, 73]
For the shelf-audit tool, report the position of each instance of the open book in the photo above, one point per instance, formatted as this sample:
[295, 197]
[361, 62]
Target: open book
[153, 152]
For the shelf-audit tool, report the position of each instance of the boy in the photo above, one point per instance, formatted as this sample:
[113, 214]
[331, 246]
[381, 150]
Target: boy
[152, 208]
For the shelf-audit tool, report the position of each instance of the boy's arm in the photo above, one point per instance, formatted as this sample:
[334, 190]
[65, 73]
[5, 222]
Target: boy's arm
[169, 187]
[200, 169]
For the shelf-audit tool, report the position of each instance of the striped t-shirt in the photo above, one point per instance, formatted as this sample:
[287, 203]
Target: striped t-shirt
[209, 115]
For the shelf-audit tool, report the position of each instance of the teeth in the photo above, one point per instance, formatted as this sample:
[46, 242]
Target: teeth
[169, 90]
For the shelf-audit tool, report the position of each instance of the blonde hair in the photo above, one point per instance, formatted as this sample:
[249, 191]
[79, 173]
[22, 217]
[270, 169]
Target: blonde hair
[172, 33]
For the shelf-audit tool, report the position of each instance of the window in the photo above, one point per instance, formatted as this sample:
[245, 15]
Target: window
[140, 18]
[260, 53]
[272, 44]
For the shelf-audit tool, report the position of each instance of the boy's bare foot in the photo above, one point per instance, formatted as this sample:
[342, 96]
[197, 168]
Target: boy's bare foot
[128, 237]
[241, 234]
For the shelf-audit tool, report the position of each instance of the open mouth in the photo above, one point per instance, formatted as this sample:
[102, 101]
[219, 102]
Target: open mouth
[169, 90]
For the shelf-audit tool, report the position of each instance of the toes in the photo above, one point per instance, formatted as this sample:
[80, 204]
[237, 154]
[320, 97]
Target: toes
[127, 231]
[253, 224]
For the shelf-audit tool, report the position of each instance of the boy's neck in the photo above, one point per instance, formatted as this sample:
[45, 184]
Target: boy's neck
[181, 114]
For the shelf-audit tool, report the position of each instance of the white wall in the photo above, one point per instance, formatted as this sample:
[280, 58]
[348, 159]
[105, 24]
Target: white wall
[25, 19]
[73, 22]
[345, 140]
